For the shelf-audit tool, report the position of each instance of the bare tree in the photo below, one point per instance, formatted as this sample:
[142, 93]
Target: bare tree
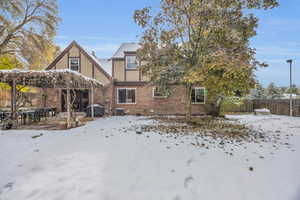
[73, 97]
[26, 24]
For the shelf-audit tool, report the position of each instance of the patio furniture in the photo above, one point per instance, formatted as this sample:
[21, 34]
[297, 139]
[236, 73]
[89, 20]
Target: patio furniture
[27, 116]
[4, 115]
[99, 110]
[119, 111]
[51, 112]
[5, 120]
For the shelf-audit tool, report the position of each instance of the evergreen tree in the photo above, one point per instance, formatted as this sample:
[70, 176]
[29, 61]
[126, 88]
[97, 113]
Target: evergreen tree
[273, 92]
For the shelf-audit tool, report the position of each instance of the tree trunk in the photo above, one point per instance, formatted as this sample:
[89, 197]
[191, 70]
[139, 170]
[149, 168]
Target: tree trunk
[216, 107]
[68, 109]
[13, 100]
[188, 102]
[44, 97]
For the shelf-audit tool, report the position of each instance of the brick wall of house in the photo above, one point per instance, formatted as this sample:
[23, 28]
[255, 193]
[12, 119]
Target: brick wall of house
[98, 96]
[108, 92]
[54, 98]
[146, 104]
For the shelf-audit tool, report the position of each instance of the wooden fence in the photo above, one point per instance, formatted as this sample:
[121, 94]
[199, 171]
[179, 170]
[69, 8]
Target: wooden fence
[277, 107]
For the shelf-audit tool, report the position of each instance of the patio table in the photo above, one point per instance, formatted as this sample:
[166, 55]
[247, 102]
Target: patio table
[37, 114]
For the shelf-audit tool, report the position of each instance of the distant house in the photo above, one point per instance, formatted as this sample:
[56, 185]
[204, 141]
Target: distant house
[126, 87]
[287, 96]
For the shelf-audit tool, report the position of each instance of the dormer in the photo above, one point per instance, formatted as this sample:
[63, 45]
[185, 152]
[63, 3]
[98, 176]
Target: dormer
[125, 66]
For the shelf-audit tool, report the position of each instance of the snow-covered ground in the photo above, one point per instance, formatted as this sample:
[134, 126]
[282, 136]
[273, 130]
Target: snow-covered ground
[107, 160]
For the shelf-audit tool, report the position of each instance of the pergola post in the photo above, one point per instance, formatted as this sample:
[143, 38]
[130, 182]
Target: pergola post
[13, 99]
[68, 109]
[92, 101]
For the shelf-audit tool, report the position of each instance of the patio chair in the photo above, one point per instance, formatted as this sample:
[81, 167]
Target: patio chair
[6, 121]
[2, 116]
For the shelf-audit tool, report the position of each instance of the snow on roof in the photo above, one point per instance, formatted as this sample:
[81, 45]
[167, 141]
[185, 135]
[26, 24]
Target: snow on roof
[106, 65]
[125, 47]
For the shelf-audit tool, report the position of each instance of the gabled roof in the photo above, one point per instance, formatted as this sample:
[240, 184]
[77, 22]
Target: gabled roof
[126, 47]
[89, 56]
[106, 64]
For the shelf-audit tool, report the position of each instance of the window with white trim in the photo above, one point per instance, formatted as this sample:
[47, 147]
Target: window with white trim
[158, 93]
[131, 62]
[126, 95]
[74, 64]
[198, 95]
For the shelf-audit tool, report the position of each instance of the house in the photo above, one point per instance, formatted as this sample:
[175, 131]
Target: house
[76, 58]
[126, 87]
[133, 92]
[287, 96]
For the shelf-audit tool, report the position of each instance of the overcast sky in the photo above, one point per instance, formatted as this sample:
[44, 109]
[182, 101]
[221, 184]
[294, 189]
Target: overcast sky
[102, 25]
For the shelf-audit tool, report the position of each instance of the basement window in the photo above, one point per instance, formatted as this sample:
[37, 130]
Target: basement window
[126, 95]
[198, 95]
[74, 64]
[131, 62]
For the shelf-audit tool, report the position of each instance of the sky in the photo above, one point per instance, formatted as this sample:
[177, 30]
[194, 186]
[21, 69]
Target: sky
[103, 25]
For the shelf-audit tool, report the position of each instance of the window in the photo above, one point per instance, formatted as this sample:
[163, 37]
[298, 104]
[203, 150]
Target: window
[131, 62]
[158, 93]
[126, 96]
[198, 95]
[74, 64]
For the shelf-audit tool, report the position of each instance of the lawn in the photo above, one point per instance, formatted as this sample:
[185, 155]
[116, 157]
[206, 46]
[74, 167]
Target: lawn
[139, 158]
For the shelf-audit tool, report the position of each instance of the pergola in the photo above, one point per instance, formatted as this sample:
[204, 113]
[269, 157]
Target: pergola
[63, 79]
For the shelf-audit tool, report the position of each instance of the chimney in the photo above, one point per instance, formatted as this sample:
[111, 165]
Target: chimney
[93, 53]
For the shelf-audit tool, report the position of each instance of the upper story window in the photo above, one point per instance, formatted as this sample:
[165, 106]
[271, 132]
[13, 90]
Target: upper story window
[131, 62]
[198, 95]
[74, 64]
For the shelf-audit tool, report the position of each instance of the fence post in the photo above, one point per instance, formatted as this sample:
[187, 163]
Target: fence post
[291, 105]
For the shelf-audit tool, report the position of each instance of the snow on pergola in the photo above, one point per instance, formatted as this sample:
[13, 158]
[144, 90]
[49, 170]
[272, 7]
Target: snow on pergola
[48, 79]
[64, 79]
